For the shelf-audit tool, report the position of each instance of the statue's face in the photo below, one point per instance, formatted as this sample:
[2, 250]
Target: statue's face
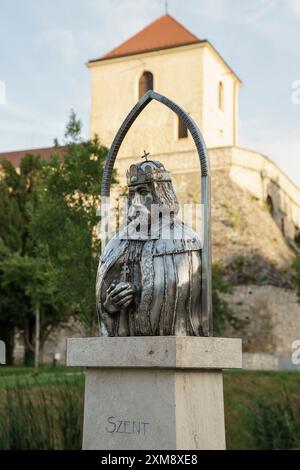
[140, 200]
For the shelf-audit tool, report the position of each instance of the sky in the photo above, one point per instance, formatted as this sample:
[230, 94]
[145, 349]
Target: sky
[45, 44]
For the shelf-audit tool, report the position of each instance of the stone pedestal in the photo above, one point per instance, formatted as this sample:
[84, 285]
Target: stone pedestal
[154, 392]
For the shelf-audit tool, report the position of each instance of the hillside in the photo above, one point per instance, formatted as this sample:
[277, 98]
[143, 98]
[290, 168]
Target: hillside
[246, 240]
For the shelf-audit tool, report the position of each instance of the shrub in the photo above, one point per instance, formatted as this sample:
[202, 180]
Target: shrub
[42, 416]
[222, 314]
[275, 424]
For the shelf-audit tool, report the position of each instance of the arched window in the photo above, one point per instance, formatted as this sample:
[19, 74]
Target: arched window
[182, 129]
[270, 205]
[145, 83]
[297, 236]
[221, 96]
[283, 226]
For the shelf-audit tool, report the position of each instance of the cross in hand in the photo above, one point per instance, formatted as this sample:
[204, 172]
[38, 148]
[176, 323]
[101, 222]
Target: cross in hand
[124, 272]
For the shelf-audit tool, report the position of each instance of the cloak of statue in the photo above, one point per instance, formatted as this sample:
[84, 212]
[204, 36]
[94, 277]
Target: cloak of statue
[163, 268]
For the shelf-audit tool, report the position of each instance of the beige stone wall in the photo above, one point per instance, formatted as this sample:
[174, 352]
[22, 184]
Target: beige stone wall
[259, 361]
[250, 171]
[259, 175]
[219, 125]
[189, 75]
[272, 322]
[177, 74]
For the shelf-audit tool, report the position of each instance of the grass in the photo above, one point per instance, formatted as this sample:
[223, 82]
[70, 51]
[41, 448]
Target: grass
[46, 375]
[244, 395]
[45, 369]
[44, 411]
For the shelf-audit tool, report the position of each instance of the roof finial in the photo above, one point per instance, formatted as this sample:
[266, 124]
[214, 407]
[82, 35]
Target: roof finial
[166, 6]
[145, 156]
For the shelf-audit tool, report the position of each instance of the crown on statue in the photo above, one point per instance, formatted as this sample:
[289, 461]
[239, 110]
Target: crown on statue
[147, 172]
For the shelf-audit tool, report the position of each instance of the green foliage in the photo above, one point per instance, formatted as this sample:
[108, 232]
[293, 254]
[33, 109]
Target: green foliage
[48, 248]
[17, 190]
[239, 262]
[73, 129]
[297, 276]
[262, 409]
[222, 314]
[274, 423]
[234, 216]
[64, 221]
[243, 393]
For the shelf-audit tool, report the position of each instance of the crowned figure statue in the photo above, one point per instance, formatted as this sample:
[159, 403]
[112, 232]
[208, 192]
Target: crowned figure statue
[149, 275]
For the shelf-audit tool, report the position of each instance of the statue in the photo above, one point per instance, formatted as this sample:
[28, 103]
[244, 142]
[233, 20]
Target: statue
[149, 275]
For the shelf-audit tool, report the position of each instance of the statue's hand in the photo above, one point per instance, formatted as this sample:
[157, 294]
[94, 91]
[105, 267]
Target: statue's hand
[119, 296]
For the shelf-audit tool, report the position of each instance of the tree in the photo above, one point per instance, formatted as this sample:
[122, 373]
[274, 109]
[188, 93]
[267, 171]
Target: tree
[16, 190]
[48, 248]
[65, 219]
[38, 279]
[73, 130]
[13, 306]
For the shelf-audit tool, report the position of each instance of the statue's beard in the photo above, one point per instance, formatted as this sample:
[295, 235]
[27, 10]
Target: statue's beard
[139, 218]
[141, 212]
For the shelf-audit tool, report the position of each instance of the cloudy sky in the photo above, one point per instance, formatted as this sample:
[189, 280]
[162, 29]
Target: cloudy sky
[44, 45]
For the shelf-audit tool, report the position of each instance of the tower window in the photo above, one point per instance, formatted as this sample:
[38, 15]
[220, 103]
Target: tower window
[270, 205]
[182, 129]
[297, 236]
[282, 226]
[145, 83]
[221, 96]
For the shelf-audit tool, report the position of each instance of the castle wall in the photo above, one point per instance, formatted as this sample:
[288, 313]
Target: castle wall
[259, 175]
[249, 170]
[272, 323]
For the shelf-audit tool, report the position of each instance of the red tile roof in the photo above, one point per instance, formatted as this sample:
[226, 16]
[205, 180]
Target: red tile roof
[163, 33]
[16, 157]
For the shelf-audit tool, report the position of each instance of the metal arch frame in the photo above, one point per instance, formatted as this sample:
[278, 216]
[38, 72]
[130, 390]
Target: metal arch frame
[205, 188]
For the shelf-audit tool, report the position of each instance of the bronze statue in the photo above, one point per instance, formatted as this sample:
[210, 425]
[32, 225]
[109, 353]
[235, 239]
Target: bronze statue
[149, 276]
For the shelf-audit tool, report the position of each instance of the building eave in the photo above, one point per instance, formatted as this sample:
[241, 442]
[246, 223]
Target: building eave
[142, 52]
[214, 50]
[200, 42]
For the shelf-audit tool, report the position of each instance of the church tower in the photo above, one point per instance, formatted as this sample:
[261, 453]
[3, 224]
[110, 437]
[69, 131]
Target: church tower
[169, 59]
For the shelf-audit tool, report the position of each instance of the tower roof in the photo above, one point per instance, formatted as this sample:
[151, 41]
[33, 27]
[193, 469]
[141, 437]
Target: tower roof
[163, 33]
